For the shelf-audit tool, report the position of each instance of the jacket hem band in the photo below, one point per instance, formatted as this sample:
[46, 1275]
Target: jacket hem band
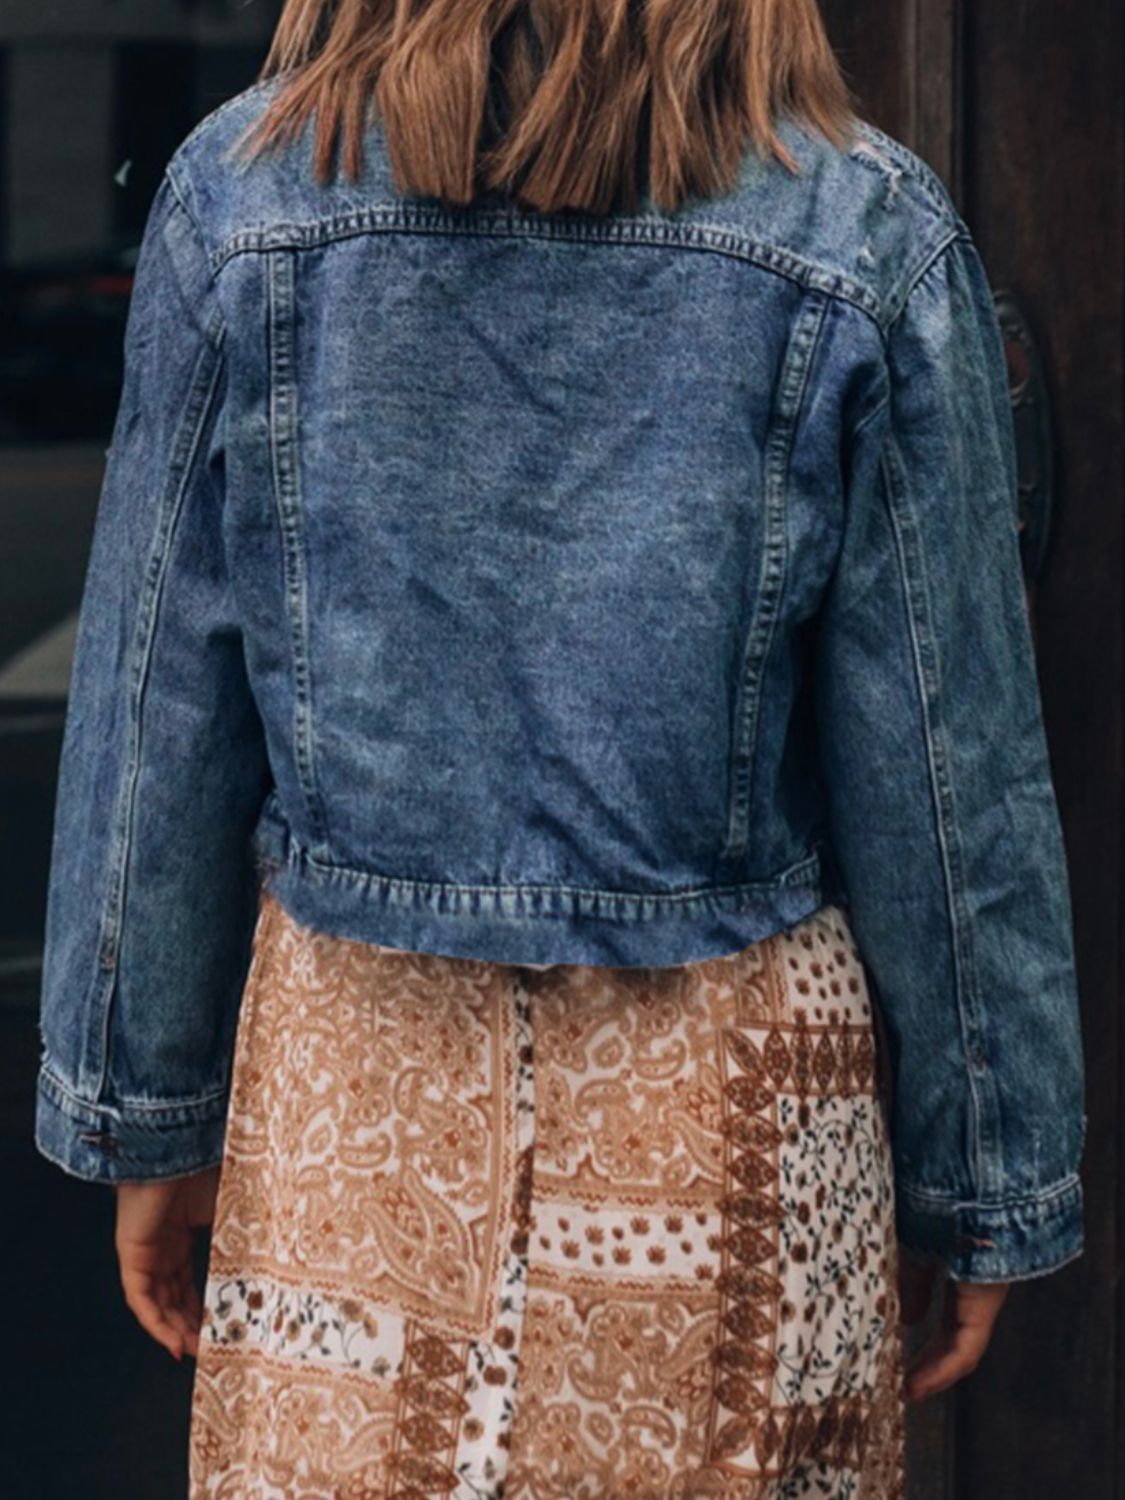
[109, 1143]
[1012, 1241]
[531, 924]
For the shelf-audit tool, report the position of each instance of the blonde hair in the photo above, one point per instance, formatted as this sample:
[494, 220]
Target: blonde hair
[558, 104]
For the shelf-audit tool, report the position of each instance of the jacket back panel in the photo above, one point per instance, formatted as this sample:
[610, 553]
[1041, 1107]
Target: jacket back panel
[540, 555]
[553, 502]
[562, 589]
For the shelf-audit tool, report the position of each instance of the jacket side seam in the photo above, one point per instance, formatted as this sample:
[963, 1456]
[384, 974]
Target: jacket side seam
[201, 396]
[773, 572]
[285, 464]
[982, 1086]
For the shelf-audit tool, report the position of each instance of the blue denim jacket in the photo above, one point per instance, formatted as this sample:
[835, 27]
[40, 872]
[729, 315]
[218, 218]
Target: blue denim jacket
[562, 589]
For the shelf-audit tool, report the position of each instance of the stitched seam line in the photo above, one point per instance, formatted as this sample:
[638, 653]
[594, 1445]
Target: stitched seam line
[924, 183]
[772, 578]
[899, 302]
[216, 326]
[204, 385]
[286, 486]
[298, 856]
[62, 1093]
[797, 874]
[871, 415]
[926, 669]
[917, 275]
[410, 218]
[944, 1203]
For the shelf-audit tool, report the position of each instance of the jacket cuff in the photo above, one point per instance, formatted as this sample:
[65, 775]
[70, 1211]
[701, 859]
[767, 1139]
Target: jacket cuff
[1011, 1241]
[109, 1143]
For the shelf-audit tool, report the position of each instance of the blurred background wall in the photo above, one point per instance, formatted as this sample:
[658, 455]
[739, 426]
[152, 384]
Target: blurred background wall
[94, 97]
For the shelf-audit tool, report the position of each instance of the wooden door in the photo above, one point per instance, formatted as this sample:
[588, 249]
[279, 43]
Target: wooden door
[1018, 107]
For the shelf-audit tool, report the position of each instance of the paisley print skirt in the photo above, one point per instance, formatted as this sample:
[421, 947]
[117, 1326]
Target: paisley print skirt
[572, 1233]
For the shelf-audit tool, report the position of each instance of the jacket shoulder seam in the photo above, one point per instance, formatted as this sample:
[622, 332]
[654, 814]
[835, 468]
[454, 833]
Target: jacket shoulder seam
[908, 283]
[893, 161]
[178, 168]
[898, 304]
[216, 325]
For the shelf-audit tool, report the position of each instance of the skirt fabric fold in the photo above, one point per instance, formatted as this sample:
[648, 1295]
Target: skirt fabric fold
[571, 1233]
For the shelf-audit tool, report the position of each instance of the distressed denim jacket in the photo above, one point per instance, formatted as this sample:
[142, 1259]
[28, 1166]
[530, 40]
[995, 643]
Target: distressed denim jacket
[567, 589]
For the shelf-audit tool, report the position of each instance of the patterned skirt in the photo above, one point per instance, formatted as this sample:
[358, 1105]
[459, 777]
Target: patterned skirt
[569, 1233]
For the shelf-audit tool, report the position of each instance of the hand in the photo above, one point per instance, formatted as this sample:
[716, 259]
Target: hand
[156, 1224]
[969, 1313]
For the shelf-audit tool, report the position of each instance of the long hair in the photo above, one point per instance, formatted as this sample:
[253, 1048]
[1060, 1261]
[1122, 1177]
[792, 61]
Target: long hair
[557, 104]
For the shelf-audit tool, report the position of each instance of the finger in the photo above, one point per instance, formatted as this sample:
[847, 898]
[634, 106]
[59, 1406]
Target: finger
[170, 1300]
[191, 1307]
[141, 1299]
[948, 1356]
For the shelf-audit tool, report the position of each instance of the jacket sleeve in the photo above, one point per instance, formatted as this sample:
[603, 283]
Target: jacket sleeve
[942, 811]
[152, 894]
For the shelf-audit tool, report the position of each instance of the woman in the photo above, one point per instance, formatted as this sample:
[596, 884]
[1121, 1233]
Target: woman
[553, 680]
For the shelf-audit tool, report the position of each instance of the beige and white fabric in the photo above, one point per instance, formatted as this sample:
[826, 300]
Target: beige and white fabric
[560, 1234]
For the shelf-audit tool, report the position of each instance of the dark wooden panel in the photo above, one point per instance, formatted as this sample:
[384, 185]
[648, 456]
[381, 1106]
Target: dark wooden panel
[1019, 110]
[936, 93]
[1043, 88]
[874, 43]
[902, 62]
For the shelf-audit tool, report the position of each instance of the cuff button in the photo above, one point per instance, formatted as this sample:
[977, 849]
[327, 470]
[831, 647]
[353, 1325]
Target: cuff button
[102, 1139]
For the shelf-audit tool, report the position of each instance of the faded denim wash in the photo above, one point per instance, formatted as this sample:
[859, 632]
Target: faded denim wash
[561, 589]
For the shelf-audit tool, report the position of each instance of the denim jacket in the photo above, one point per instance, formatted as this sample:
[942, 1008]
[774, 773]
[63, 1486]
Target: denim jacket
[555, 588]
